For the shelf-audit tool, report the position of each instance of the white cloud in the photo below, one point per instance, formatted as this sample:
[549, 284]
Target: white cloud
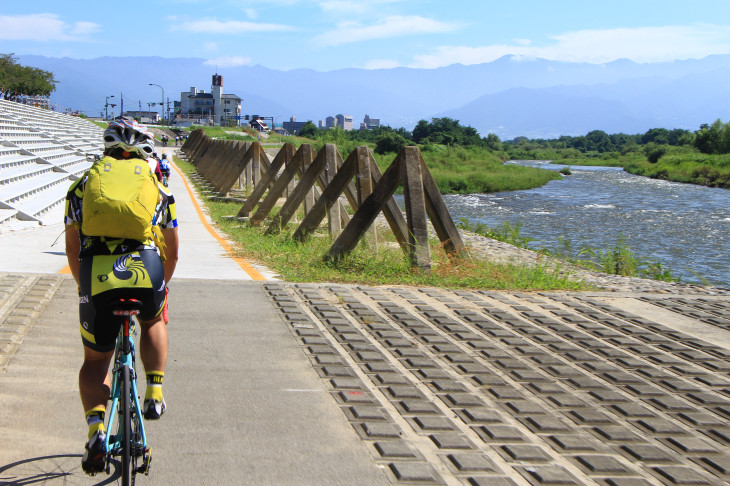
[229, 61]
[644, 44]
[44, 27]
[352, 7]
[393, 26]
[230, 27]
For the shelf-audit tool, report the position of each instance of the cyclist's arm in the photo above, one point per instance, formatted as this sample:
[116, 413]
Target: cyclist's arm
[171, 246]
[73, 245]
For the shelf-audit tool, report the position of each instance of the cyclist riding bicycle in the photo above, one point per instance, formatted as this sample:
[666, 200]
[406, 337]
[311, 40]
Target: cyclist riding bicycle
[108, 267]
[165, 168]
[154, 163]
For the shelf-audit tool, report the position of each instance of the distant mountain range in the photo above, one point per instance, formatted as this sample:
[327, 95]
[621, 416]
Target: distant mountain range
[509, 97]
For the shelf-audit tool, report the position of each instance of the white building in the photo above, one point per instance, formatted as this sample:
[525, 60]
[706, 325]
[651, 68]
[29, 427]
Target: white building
[215, 107]
[343, 121]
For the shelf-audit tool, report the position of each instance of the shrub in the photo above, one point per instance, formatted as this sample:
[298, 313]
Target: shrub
[390, 143]
[654, 152]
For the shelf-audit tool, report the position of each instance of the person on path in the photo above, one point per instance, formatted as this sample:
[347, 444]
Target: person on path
[107, 268]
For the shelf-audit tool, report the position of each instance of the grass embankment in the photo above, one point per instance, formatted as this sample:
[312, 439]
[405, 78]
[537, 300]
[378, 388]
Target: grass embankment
[678, 164]
[456, 170]
[304, 262]
[694, 168]
[461, 170]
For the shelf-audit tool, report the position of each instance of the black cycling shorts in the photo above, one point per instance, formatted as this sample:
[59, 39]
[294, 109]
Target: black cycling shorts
[106, 278]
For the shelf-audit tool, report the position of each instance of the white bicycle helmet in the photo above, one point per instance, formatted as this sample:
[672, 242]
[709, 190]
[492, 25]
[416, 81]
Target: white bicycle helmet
[131, 136]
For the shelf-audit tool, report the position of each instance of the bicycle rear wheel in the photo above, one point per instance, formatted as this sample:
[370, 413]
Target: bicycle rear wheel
[124, 398]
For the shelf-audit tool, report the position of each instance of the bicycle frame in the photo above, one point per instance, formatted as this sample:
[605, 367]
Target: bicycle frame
[124, 355]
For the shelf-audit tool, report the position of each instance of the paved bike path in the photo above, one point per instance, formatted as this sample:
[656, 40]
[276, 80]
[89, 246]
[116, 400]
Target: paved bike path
[245, 406]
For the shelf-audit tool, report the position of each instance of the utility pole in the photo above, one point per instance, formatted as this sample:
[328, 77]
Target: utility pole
[163, 98]
[106, 106]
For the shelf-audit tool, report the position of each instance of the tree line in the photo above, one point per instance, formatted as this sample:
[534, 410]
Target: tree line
[16, 79]
[708, 139]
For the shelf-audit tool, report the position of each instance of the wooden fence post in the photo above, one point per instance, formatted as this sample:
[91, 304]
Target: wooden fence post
[282, 159]
[367, 212]
[439, 214]
[364, 185]
[304, 189]
[419, 251]
[277, 189]
[333, 208]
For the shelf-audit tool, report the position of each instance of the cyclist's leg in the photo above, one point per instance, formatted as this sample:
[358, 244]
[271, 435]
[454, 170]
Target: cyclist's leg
[94, 381]
[98, 332]
[153, 344]
[153, 340]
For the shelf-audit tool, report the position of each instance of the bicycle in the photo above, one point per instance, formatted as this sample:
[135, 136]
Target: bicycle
[129, 442]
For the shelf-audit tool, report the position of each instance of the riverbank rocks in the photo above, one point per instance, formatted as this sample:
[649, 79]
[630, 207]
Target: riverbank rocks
[499, 251]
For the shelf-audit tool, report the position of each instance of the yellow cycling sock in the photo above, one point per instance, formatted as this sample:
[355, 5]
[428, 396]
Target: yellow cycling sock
[154, 385]
[95, 419]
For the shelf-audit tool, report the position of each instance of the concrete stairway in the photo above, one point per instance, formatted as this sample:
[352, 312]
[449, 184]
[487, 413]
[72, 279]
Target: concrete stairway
[41, 153]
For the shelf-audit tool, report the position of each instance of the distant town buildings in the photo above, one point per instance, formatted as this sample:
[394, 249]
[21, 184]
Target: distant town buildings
[369, 123]
[146, 117]
[293, 126]
[259, 124]
[344, 122]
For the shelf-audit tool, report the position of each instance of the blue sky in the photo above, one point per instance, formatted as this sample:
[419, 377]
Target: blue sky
[334, 34]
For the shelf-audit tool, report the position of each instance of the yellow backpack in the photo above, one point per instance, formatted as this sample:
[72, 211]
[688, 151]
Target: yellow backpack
[120, 198]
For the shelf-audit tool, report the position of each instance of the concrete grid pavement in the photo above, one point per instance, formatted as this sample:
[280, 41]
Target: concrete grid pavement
[277, 383]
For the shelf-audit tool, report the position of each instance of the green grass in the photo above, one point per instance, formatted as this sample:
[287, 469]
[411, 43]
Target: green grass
[693, 168]
[456, 170]
[477, 170]
[618, 259]
[223, 133]
[304, 262]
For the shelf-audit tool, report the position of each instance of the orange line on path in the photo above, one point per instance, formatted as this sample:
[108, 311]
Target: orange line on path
[252, 272]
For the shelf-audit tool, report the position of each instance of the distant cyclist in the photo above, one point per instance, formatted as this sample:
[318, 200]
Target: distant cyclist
[108, 266]
[154, 163]
[165, 169]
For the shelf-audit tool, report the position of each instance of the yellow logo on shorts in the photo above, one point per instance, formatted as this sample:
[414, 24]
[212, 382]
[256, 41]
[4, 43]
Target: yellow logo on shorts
[128, 267]
[118, 271]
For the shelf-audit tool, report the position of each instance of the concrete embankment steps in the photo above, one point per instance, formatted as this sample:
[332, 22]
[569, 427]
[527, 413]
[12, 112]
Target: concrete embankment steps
[41, 152]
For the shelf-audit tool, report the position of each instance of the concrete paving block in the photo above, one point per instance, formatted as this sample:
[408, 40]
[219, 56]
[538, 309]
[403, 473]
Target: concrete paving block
[378, 430]
[415, 472]
[447, 440]
[473, 463]
[500, 434]
[571, 443]
[681, 475]
[548, 475]
[648, 454]
[395, 449]
[602, 465]
[524, 453]
[429, 423]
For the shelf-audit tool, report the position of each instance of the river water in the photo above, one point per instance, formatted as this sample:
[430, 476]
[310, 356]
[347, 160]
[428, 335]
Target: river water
[683, 226]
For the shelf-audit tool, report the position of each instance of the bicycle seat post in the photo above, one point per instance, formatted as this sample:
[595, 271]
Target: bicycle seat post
[126, 308]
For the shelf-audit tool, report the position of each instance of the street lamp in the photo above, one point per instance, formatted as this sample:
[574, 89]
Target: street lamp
[106, 106]
[162, 111]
